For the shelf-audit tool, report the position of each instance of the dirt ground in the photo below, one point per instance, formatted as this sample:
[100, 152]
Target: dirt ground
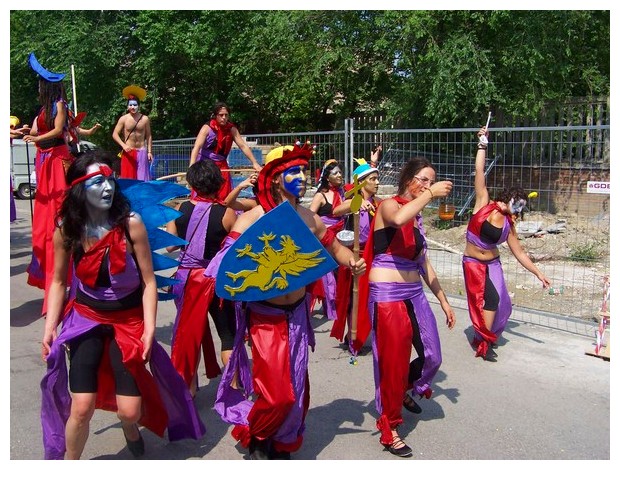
[577, 285]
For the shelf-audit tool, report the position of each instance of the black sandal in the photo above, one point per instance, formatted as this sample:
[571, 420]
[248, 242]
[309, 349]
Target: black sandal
[399, 448]
[136, 447]
[410, 404]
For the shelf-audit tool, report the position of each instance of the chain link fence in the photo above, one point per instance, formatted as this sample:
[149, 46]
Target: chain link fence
[565, 229]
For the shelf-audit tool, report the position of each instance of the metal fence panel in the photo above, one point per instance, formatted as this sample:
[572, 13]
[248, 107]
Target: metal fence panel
[555, 162]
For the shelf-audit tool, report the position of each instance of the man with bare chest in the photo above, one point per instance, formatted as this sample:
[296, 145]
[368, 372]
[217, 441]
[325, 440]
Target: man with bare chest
[133, 134]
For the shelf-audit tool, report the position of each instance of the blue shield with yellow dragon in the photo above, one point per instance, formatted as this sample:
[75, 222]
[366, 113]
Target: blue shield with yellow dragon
[276, 255]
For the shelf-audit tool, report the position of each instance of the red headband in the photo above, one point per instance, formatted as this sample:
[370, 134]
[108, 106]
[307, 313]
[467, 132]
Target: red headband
[103, 170]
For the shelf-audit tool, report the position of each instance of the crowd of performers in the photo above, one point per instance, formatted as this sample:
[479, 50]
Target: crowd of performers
[91, 255]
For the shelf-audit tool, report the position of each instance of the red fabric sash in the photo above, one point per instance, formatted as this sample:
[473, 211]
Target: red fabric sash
[115, 243]
[224, 137]
[193, 329]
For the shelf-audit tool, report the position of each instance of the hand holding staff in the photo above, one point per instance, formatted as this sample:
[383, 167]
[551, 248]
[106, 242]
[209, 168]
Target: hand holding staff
[356, 203]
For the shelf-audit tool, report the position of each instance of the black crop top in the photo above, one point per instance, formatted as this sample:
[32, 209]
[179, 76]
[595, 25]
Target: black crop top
[489, 233]
[384, 242]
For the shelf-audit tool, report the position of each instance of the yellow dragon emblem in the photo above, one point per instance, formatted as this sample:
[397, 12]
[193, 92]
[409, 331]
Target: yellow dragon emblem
[272, 265]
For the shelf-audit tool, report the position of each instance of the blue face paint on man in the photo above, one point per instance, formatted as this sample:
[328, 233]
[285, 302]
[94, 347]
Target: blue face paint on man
[294, 180]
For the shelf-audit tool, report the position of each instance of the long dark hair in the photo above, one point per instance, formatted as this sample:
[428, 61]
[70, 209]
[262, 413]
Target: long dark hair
[410, 170]
[49, 94]
[324, 184]
[73, 215]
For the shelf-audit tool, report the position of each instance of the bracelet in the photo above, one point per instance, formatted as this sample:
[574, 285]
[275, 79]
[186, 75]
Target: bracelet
[482, 146]
[429, 191]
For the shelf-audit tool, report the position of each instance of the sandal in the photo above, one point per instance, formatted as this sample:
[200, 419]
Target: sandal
[399, 448]
[410, 404]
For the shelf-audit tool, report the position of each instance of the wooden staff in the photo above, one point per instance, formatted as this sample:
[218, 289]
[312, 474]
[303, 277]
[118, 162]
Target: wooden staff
[174, 175]
[238, 170]
[356, 203]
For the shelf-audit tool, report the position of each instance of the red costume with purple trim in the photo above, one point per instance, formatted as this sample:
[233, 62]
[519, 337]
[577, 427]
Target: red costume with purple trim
[52, 160]
[476, 273]
[217, 147]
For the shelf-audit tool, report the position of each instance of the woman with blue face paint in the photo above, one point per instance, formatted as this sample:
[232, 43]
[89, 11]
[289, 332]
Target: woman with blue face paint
[491, 225]
[271, 420]
[107, 323]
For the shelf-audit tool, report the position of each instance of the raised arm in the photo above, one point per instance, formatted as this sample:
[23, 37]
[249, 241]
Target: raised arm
[480, 184]
[397, 217]
[199, 143]
[247, 151]
[232, 200]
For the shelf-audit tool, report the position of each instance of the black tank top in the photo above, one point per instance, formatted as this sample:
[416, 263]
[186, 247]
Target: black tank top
[325, 209]
[215, 231]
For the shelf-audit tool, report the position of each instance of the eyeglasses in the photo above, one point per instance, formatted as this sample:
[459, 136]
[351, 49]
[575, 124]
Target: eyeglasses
[424, 180]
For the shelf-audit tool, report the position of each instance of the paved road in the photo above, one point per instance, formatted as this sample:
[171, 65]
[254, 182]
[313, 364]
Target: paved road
[544, 399]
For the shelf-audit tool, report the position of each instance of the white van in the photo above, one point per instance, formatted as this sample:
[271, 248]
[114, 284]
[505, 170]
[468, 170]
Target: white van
[23, 176]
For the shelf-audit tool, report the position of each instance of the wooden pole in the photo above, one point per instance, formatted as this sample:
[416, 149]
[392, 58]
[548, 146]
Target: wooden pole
[356, 256]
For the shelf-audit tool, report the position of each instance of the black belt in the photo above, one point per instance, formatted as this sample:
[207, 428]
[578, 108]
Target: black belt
[50, 142]
[134, 299]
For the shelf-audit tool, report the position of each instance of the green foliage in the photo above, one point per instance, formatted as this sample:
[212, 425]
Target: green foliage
[586, 252]
[302, 70]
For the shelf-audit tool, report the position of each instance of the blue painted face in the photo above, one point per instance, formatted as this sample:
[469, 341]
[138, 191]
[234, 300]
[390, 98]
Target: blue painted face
[294, 180]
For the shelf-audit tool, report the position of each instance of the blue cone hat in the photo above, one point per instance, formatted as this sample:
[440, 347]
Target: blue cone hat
[43, 72]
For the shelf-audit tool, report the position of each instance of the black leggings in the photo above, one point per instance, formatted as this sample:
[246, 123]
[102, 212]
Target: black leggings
[491, 297]
[225, 322]
[85, 354]
[415, 367]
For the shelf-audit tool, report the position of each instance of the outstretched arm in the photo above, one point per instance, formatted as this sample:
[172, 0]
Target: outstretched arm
[523, 258]
[247, 151]
[88, 131]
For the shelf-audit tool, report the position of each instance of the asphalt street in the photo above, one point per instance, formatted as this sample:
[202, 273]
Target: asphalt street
[544, 399]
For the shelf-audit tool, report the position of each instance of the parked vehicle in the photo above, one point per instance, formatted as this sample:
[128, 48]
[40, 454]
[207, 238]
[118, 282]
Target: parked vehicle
[23, 175]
